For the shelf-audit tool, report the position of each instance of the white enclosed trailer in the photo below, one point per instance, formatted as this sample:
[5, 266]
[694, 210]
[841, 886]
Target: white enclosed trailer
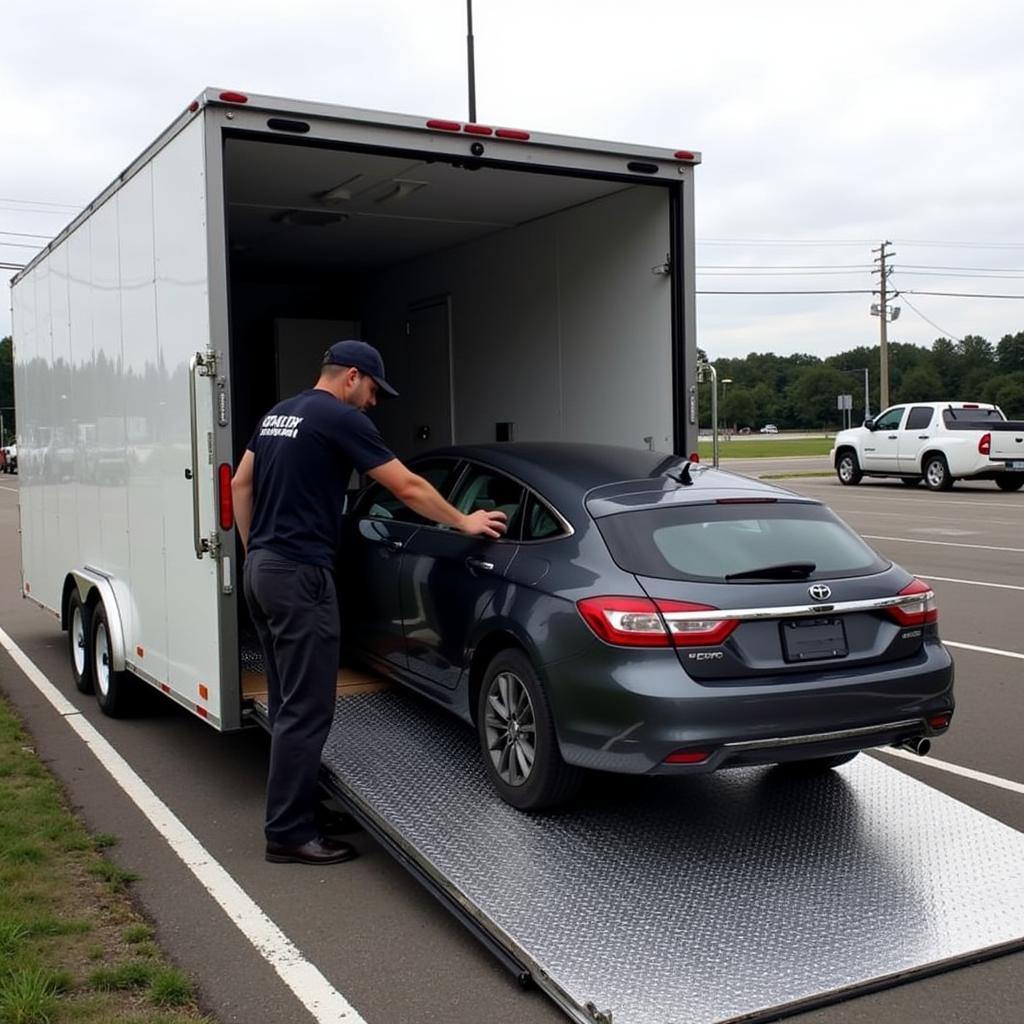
[519, 285]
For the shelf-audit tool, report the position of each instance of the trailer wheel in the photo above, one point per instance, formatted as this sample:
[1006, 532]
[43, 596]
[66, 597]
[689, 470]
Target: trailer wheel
[1010, 481]
[79, 625]
[848, 468]
[813, 765]
[113, 689]
[517, 736]
[936, 473]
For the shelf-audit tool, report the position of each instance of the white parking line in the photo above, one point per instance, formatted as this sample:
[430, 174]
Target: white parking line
[984, 650]
[13, 490]
[953, 769]
[324, 1002]
[918, 518]
[942, 543]
[970, 583]
[898, 496]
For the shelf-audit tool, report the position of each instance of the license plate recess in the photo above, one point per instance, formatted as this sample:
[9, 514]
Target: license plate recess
[813, 639]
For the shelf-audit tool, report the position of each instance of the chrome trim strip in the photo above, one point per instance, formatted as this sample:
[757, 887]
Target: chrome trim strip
[821, 737]
[796, 610]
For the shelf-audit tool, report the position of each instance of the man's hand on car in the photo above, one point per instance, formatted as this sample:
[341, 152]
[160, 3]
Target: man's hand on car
[485, 523]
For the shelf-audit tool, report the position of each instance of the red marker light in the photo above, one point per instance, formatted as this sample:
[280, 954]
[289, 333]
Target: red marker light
[193, 106]
[684, 154]
[234, 97]
[688, 757]
[444, 126]
[227, 511]
[512, 133]
[477, 129]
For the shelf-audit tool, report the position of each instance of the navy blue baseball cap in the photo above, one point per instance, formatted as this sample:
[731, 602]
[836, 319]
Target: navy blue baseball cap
[365, 358]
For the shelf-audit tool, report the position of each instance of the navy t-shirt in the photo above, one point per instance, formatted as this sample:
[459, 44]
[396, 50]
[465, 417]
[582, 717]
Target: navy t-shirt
[305, 450]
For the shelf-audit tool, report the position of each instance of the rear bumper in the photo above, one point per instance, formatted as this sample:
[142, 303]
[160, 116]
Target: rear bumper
[628, 715]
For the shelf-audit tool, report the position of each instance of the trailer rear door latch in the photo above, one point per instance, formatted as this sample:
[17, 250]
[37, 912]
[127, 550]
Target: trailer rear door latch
[598, 1016]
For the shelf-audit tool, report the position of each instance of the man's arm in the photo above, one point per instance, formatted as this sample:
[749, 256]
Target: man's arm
[241, 497]
[422, 497]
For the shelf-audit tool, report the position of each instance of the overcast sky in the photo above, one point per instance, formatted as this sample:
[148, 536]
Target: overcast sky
[818, 122]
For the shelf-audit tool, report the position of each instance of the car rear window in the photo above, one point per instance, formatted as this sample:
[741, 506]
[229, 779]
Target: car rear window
[711, 542]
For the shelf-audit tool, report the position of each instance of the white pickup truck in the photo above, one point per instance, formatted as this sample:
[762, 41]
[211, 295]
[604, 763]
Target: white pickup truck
[937, 442]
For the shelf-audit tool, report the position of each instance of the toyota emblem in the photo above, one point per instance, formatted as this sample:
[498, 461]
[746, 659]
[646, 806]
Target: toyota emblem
[820, 592]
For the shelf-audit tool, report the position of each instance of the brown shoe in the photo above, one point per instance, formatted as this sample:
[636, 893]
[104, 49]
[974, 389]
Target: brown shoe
[316, 851]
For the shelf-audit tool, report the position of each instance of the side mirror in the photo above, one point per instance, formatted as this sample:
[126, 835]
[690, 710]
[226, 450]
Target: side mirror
[869, 424]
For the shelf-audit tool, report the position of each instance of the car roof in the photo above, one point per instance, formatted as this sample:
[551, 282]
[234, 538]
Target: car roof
[610, 478]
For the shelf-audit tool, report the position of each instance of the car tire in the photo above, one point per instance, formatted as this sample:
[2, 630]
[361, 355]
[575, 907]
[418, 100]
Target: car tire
[848, 468]
[114, 690]
[910, 481]
[79, 655]
[936, 473]
[511, 708]
[1010, 481]
[817, 764]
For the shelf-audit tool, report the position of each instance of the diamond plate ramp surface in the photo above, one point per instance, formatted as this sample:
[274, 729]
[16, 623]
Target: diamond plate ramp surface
[691, 900]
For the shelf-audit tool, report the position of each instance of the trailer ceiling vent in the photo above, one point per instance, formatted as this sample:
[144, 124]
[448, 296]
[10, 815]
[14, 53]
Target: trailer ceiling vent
[308, 218]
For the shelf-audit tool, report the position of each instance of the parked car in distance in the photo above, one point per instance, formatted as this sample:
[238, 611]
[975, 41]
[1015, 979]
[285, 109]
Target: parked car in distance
[769, 428]
[642, 615]
[938, 442]
[9, 458]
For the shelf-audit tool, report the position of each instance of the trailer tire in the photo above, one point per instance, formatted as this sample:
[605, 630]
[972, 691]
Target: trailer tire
[1010, 481]
[113, 690]
[936, 473]
[848, 468]
[79, 632]
[511, 708]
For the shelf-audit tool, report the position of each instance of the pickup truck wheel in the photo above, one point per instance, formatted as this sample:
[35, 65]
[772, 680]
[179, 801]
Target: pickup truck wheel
[113, 689]
[1010, 481]
[79, 623]
[518, 739]
[936, 473]
[910, 481]
[848, 469]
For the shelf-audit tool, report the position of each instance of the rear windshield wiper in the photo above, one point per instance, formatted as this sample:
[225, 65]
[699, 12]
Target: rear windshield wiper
[782, 571]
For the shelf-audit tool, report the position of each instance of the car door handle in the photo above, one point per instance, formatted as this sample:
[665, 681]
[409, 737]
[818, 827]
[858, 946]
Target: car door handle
[922, 437]
[479, 564]
[394, 545]
[892, 437]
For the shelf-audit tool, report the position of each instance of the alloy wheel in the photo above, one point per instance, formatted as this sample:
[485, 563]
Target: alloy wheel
[78, 640]
[101, 661]
[511, 728]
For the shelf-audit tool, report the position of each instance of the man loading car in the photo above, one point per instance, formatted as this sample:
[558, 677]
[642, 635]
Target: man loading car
[288, 493]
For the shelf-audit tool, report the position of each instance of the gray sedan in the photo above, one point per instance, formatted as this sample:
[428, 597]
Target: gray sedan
[642, 615]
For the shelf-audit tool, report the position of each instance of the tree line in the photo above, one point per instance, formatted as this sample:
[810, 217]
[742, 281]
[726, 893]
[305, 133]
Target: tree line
[799, 391]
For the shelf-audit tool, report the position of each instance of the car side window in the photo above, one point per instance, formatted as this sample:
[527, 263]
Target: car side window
[920, 417]
[539, 522]
[890, 419]
[483, 488]
[377, 502]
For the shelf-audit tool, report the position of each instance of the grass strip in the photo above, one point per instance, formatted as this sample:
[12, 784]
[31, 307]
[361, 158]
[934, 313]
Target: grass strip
[73, 947]
[766, 448]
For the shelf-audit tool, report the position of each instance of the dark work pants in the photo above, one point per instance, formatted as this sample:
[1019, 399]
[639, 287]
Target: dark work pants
[295, 610]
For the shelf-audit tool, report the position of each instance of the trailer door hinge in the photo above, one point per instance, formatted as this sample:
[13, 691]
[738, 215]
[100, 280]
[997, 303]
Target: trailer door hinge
[206, 364]
[598, 1016]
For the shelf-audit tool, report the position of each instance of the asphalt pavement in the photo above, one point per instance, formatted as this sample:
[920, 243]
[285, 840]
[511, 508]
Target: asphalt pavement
[380, 939]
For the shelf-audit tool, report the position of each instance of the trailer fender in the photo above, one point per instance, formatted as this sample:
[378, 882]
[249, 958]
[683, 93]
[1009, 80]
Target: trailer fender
[94, 586]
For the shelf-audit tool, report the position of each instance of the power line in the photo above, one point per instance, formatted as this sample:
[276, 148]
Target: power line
[23, 234]
[830, 291]
[38, 202]
[20, 245]
[786, 266]
[962, 295]
[942, 331]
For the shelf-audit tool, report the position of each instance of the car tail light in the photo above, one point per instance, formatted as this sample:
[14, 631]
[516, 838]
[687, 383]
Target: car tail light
[919, 612]
[688, 757]
[940, 721]
[985, 444]
[640, 622]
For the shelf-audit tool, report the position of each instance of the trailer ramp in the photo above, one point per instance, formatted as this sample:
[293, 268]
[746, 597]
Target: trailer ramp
[740, 896]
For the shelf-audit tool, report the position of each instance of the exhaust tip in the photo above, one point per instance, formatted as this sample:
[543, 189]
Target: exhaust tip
[919, 745]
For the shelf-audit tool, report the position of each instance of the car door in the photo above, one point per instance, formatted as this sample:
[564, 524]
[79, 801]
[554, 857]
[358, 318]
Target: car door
[915, 437]
[375, 536]
[881, 446]
[449, 579]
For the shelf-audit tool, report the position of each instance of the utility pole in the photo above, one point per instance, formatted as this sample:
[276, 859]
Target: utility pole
[885, 313]
[471, 61]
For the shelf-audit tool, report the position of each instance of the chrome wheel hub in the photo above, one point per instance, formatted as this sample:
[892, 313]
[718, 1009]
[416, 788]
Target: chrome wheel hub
[78, 641]
[101, 661]
[510, 728]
